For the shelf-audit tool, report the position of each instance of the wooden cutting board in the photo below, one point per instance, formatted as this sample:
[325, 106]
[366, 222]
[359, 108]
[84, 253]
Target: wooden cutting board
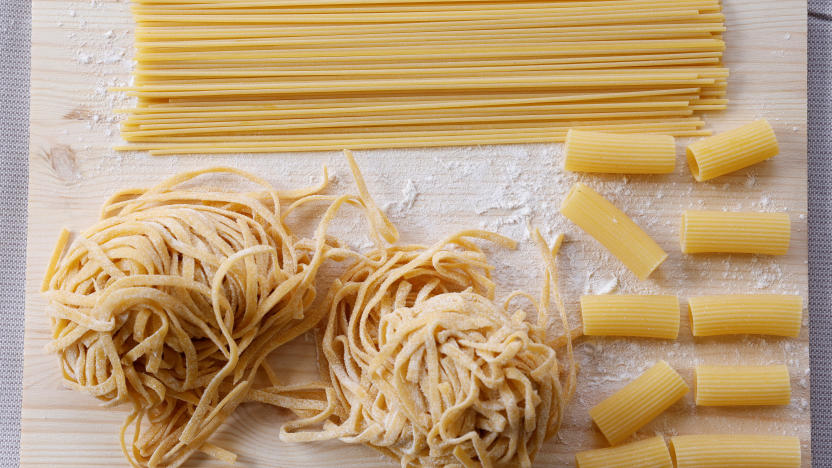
[81, 48]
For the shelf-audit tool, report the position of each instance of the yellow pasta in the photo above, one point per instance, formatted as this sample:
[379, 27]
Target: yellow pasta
[589, 151]
[639, 402]
[735, 451]
[735, 232]
[732, 150]
[754, 314]
[613, 229]
[648, 453]
[432, 68]
[742, 385]
[172, 301]
[424, 366]
[630, 315]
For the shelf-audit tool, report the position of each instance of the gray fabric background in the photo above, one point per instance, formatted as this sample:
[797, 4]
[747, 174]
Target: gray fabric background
[15, 28]
[820, 227]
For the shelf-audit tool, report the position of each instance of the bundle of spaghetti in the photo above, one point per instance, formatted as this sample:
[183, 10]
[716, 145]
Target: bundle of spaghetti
[173, 300]
[424, 366]
[371, 73]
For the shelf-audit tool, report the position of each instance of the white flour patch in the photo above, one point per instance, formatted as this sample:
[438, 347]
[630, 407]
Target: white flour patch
[765, 274]
[400, 208]
[600, 283]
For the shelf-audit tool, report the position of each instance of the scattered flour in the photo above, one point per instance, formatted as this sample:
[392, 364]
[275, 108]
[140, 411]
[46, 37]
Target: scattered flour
[84, 57]
[765, 276]
[400, 208]
[600, 283]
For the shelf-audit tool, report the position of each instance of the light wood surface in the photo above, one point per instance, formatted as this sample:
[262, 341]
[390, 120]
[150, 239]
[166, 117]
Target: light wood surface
[76, 54]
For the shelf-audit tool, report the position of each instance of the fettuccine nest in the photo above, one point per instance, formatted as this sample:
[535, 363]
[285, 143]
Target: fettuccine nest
[174, 299]
[425, 366]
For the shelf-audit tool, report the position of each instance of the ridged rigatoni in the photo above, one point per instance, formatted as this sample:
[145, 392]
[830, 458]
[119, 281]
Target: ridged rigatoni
[742, 385]
[588, 151]
[751, 314]
[647, 453]
[613, 229]
[737, 232]
[732, 150]
[735, 451]
[639, 402]
[649, 316]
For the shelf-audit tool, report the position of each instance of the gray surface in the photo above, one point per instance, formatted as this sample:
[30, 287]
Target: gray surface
[820, 227]
[15, 26]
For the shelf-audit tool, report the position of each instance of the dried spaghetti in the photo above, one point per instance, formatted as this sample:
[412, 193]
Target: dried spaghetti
[425, 367]
[224, 76]
[172, 301]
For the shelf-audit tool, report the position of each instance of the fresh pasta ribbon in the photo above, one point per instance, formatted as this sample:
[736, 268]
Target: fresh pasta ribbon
[425, 367]
[171, 302]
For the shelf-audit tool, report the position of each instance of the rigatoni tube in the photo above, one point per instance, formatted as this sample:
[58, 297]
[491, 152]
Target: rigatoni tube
[732, 150]
[735, 232]
[613, 229]
[647, 453]
[736, 451]
[752, 314]
[650, 316]
[742, 385]
[638, 403]
[641, 153]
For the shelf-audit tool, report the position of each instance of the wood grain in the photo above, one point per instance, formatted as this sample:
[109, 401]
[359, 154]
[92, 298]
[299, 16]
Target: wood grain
[76, 54]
